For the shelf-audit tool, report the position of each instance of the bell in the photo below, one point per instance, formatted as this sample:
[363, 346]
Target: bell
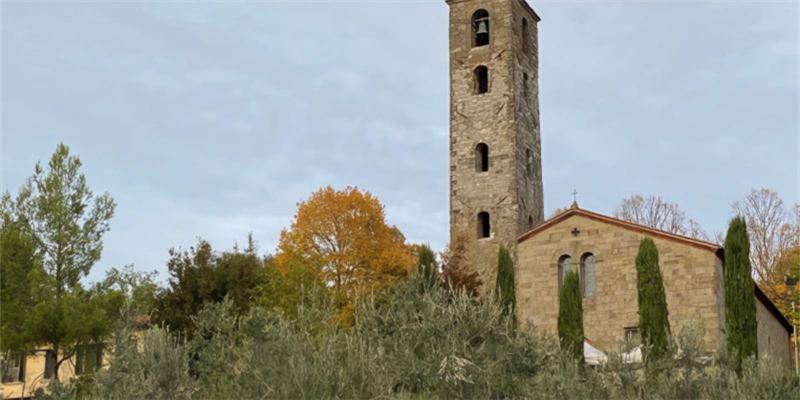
[482, 28]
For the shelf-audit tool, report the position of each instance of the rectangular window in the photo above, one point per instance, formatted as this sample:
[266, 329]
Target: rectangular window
[49, 364]
[13, 369]
[89, 358]
[632, 336]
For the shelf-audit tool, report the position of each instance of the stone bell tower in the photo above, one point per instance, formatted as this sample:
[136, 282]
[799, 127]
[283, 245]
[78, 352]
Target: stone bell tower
[495, 144]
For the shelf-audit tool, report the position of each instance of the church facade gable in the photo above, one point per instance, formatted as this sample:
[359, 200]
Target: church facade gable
[603, 251]
[604, 255]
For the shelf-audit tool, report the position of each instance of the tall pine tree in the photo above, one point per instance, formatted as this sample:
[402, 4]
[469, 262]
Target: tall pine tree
[58, 212]
[570, 317]
[740, 296]
[653, 314]
[505, 292]
[426, 266]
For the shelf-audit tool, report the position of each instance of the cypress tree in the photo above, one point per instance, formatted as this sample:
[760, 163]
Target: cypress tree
[653, 314]
[740, 296]
[570, 317]
[505, 292]
[426, 266]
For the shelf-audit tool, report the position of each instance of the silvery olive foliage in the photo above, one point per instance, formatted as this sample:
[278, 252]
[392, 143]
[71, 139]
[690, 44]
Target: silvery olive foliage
[411, 345]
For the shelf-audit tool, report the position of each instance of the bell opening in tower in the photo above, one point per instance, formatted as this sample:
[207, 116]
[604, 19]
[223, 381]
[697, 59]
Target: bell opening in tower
[480, 28]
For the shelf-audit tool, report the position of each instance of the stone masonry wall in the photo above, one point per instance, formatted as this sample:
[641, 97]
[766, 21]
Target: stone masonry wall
[504, 191]
[719, 277]
[773, 339]
[690, 277]
[526, 109]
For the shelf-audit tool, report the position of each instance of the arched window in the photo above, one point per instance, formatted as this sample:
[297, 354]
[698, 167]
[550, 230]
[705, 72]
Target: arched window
[530, 222]
[480, 28]
[588, 281]
[481, 157]
[484, 226]
[529, 162]
[481, 80]
[525, 44]
[564, 266]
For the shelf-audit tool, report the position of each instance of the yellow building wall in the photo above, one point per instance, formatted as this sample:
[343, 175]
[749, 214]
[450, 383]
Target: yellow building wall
[34, 375]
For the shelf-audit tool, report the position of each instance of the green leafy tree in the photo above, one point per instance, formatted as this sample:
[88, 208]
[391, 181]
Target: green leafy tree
[18, 259]
[200, 275]
[505, 291]
[570, 317]
[740, 297]
[136, 288]
[285, 292]
[426, 266]
[653, 314]
[53, 208]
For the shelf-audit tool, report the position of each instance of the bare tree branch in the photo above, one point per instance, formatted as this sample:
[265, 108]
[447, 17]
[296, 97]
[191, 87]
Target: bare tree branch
[557, 211]
[657, 213]
[772, 229]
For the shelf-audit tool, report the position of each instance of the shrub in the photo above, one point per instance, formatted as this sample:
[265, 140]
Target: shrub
[415, 344]
[426, 266]
[653, 321]
[505, 293]
[570, 317]
[740, 296]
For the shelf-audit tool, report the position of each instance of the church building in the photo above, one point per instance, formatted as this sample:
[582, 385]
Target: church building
[496, 199]
[603, 250]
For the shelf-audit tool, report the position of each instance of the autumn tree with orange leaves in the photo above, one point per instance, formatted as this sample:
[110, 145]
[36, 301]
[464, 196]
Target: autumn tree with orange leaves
[344, 235]
[457, 274]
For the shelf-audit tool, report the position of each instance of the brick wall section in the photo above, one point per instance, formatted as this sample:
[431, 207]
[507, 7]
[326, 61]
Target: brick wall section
[691, 281]
[505, 119]
[773, 339]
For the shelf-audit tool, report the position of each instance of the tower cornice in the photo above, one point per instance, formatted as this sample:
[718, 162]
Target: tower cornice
[523, 2]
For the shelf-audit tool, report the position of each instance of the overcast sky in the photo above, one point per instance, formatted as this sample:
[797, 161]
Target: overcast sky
[214, 119]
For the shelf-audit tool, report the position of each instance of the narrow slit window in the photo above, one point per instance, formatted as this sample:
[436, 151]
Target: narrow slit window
[481, 157]
[481, 80]
[480, 28]
[484, 225]
[525, 40]
[525, 86]
[529, 162]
